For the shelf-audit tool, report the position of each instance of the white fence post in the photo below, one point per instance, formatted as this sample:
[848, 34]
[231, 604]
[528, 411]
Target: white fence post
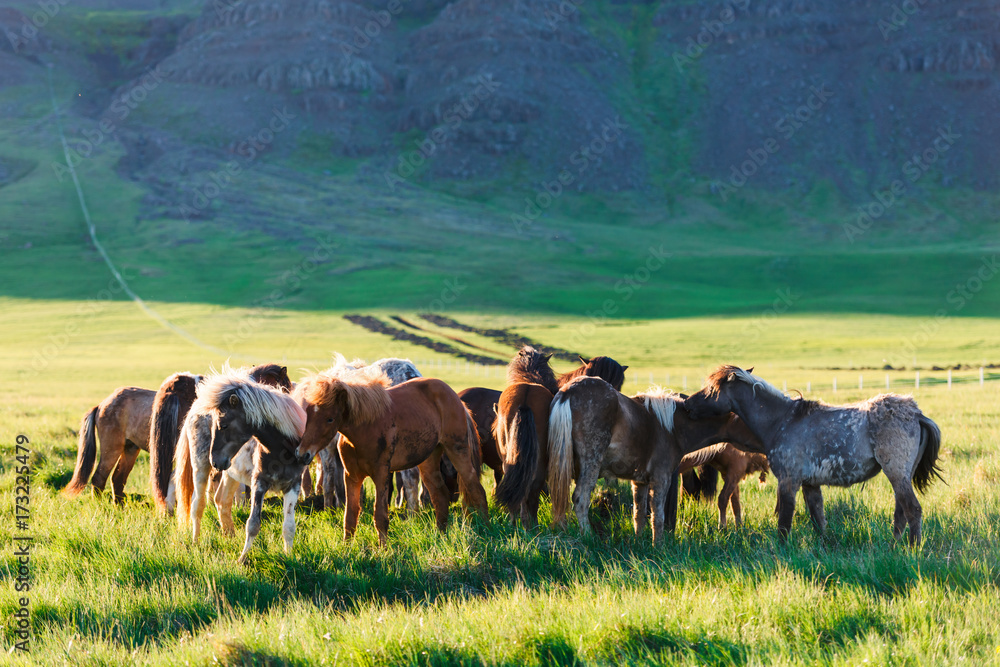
[809, 387]
[835, 384]
[980, 376]
[887, 387]
[685, 385]
[949, 378]
[916, 383]
[784, 386]
[861, 382]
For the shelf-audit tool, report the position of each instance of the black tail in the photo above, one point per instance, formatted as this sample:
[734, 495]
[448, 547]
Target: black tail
[86, 453]
[162, 443]
[709, 482]
[521, 461]
[927, 467]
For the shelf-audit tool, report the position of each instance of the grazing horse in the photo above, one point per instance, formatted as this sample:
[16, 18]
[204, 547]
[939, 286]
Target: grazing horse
[386, 429]
[243, 410]
[170, 407]
[521, 426]
[595, 430]
[809, 444]
[735, 465]
[122, 423]
[192, 455]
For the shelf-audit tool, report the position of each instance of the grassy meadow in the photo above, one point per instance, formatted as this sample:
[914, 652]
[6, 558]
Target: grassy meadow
[119, 586]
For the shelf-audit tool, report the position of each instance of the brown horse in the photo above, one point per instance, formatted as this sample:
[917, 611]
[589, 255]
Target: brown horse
[170, 406]
[482, 402]
[386, 429]
[521, 426]
[735, 465]
[122, 423]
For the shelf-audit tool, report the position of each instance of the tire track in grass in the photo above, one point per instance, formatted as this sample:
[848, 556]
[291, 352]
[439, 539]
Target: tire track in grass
[377, 326]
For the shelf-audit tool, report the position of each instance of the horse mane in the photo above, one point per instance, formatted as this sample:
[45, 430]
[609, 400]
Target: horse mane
[260, 404]
[530, 365]
[362, 390]
[725, 374]
[605, 368]
[662, 404]
[342, 365]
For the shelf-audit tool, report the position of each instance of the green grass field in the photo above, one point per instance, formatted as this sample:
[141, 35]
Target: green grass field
[120, 586]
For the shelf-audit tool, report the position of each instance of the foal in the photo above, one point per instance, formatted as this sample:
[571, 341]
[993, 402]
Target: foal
[735, 465]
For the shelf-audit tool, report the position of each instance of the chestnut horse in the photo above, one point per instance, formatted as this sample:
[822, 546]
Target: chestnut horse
[386, 429]
[809, 444]
[122, 423]
[521, 426]
[170, 407]
[735, 465]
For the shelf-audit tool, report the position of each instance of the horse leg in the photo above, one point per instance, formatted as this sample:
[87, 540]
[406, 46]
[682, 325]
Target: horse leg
[814, 501]
[288, 509]
[253, 522]
[198, 499]
[430, 474]
[730, 486]
[307, 481]
[661, 488]
[786, 506]
[737, 508]
[640, 509]
[225, 496]
[383, 491]
[352, 484]
[909, 506]
[472, 493]
[112, 441]
[124, 468]
[411, 490]
[581, 494]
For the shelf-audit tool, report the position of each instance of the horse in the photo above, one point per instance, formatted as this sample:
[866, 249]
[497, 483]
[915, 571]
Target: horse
[595, 430]
[332, 469]
[388, 428]
[735, 465]
[254, 432]
[521, 426]
[810, 444]
[170, 407]
[122, 423]
[192, 460]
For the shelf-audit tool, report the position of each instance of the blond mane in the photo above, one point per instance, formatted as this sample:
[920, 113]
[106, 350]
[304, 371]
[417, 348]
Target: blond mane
[362, 391]
[662, 403]
[261, 404]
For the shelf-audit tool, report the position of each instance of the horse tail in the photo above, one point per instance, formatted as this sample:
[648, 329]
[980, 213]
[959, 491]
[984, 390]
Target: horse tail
[927, 467]
[183, 477]
[560, 456]
[521, 462]
[162, 445]
[472, 438]
[86, 453]
[709, 477]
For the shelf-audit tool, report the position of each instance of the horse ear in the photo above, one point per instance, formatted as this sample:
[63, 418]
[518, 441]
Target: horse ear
[549, 356]
[624, 368]
[234, 401]
[496, 408]
[750, 370]
[582, 360]
[284, 369]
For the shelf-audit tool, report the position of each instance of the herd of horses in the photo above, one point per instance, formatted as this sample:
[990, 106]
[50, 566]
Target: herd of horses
[252, 428]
